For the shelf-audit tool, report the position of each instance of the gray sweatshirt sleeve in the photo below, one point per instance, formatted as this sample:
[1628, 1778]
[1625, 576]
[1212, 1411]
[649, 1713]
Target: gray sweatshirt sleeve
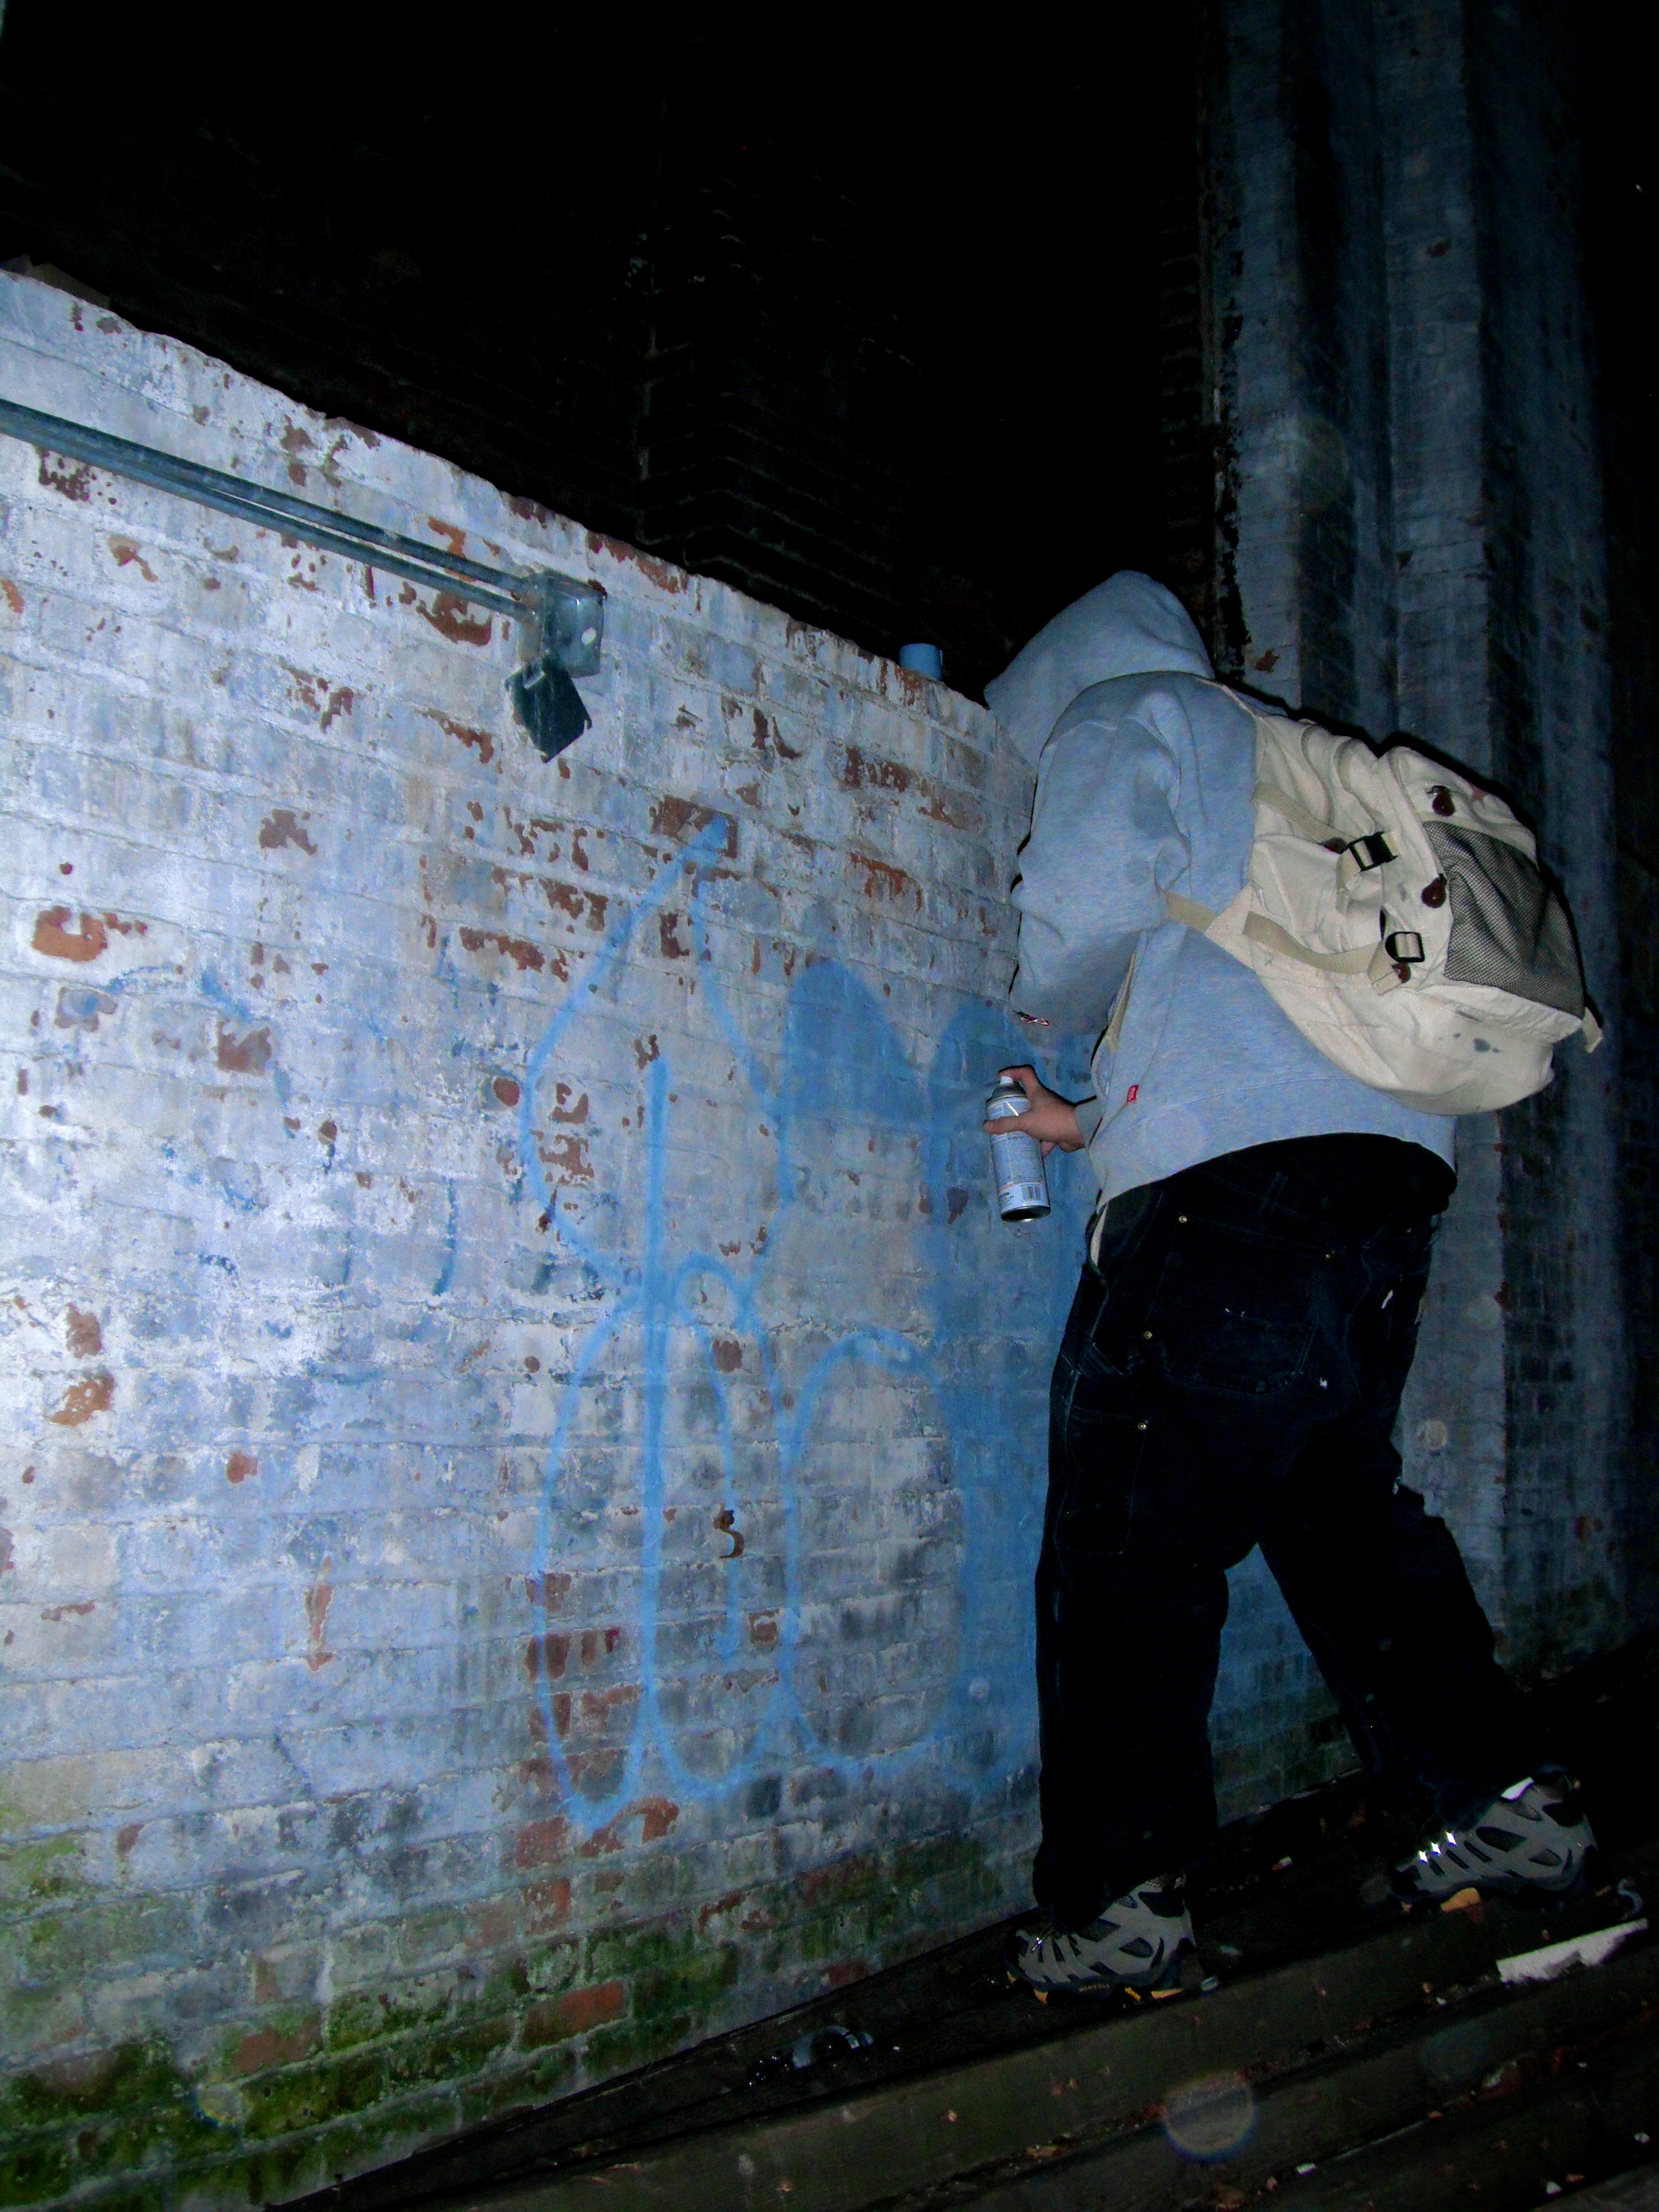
[1104, 844]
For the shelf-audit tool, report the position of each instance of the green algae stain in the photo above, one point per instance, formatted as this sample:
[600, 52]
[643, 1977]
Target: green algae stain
[74, 2123]
[38, 1872]
[365, 2017]
[302, 2096]
[861, 1907]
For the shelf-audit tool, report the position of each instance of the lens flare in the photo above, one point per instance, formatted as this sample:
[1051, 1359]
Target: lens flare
[1210, 2117]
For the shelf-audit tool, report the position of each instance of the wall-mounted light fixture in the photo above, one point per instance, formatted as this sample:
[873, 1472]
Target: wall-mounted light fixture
[566, 630]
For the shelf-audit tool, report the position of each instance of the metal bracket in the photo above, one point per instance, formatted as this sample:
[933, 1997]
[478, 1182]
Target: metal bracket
[565, 626]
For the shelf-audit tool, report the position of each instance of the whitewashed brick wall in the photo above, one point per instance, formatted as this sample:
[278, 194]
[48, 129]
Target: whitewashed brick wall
[524, 1441]
[524, 1437]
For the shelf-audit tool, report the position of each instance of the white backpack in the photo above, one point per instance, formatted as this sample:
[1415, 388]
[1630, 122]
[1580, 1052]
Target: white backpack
[1397, 914]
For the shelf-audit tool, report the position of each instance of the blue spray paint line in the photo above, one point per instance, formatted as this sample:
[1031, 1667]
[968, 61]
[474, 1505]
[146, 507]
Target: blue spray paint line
[833, 1024]
[446, 1274]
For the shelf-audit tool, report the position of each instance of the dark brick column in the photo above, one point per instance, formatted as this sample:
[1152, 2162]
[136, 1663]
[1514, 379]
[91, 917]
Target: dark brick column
[1404, 394]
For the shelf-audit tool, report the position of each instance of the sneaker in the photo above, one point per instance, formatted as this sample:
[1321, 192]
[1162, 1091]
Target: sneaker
[1532, 1840]
[1135, 1947]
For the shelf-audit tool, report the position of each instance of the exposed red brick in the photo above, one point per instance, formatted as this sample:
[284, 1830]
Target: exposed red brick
[480, 740]
[663, 574]
[53, 937]
[548, 1591]
[959, 815]
[270, 2047]
[661, 1814]
[127, 555]
[594, 1772]
[246, 1055]
[491, 1924]
[569, 1156]
[72, 478]
[542, 1843]
[656, 1816]
[580, 2010]
[546, 1905]
[319, 1598]
[92, 1393]
[883, 881]
[86, 1337]
[519, 949]
[683, 818]
[450, 616]
[859, 773]
[545, 1657]
[284, 826]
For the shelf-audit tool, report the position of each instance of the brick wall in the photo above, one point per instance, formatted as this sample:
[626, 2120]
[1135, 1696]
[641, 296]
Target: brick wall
[1566, 1218]
[1619, 237]
[1412, 520]
[525, 1436]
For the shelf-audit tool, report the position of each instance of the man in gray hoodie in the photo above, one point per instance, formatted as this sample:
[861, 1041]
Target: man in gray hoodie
[1232, 1368]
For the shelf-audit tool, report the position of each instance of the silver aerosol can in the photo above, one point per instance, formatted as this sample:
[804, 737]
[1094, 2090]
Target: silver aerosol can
[1016, 1158]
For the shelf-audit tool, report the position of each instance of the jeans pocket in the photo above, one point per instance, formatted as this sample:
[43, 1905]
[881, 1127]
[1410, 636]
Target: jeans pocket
[1234, 1313]
[1102, 1459]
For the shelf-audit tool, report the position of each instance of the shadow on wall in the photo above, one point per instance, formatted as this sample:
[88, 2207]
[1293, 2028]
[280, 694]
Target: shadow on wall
[827, 1525]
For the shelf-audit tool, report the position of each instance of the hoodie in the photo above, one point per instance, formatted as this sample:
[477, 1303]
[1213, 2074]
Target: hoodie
[1145, 772]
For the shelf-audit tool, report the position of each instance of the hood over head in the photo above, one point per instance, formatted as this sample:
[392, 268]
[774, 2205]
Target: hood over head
[1127, 626]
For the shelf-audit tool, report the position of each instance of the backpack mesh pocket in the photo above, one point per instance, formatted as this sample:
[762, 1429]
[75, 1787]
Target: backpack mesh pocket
[1508, 930]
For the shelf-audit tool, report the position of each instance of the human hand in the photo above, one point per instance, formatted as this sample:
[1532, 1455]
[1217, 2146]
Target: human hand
[1049, 1118]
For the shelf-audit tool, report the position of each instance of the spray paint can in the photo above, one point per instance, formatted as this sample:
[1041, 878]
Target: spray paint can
[1016, 1158]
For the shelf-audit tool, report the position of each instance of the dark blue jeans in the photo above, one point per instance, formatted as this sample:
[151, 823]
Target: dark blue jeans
[1229, 1377]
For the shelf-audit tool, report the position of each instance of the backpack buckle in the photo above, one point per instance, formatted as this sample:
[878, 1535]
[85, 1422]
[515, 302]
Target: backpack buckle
[1362, 855]
[1369, 852]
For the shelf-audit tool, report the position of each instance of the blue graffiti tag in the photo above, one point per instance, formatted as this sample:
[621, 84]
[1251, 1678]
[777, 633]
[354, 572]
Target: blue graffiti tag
[842, 1069]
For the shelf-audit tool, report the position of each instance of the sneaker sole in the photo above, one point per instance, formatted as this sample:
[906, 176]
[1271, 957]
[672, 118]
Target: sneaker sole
[1170, 1984]
[1529, 1896]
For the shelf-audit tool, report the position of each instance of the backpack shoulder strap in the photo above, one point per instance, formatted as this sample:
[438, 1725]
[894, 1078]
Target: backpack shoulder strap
[1262, 930]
